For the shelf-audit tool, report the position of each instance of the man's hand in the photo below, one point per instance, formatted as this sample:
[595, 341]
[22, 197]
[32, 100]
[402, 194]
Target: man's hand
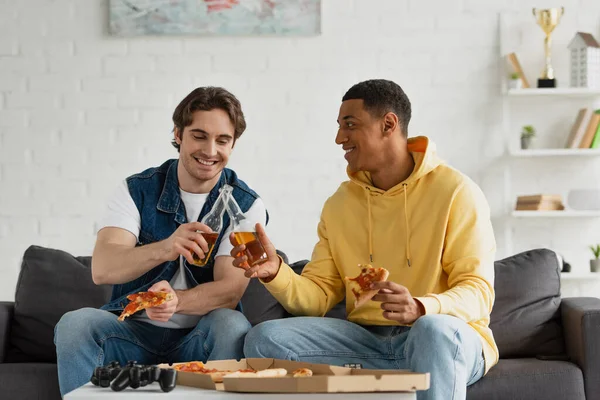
[268, 269]
[397, 302]
[165, 311]
[187, 240]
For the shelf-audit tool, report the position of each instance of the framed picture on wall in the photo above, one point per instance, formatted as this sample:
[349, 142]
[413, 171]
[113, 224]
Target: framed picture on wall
[215, 17]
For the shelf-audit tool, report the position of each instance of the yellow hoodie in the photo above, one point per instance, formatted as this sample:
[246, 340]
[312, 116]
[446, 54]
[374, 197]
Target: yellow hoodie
[432, 232]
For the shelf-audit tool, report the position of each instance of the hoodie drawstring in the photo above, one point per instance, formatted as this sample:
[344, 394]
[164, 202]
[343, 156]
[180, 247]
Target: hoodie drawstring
[406, 222]
[407, 236]
[370, 225]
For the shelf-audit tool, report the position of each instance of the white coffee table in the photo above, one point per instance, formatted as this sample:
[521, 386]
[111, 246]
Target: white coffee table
[153, 391]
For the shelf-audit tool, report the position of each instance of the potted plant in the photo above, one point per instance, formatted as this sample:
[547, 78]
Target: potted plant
[595, 262]
[527, 135]
[515, 81]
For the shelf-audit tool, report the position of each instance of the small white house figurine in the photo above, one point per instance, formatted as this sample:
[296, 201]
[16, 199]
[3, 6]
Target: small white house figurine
[585, 61]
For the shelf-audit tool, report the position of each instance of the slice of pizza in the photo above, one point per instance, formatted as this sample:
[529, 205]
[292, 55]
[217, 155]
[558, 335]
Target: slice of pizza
[264, 373]
[360, 285]
[272, 373]
[191, 366]
[302, 372]
[142, 300]
[198, 367]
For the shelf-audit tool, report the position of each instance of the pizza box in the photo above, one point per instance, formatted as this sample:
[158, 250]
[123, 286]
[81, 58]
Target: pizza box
[325, 379]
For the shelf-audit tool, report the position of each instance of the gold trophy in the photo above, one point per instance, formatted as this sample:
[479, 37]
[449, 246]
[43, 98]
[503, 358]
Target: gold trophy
[548, 19]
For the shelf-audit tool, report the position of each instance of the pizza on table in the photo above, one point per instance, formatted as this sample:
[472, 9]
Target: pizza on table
[217, 375]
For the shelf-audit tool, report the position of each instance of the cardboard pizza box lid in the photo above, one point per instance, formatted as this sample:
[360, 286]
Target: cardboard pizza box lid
[325, 379]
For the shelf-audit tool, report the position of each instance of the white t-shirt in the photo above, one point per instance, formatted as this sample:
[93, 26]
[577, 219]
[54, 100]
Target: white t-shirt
[122, 213]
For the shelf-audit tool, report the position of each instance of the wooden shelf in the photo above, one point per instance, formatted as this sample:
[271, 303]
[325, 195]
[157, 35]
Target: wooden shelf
[555, 152]
[554, 92]
[556, 214]
[570, 276]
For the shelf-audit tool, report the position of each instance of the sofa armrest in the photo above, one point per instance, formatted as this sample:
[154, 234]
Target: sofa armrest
[6, 313]
[581, 326]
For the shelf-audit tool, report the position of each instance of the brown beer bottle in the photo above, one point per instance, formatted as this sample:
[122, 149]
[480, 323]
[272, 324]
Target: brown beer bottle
[245, 233]
[214, 220]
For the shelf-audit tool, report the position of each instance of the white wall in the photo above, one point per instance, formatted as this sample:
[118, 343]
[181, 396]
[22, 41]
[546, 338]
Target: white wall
[80, 110]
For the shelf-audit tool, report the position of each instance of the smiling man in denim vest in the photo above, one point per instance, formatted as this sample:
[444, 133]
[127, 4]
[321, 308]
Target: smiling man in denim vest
[147, 241]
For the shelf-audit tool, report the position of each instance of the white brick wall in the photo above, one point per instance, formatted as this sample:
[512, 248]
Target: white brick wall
[80, 110]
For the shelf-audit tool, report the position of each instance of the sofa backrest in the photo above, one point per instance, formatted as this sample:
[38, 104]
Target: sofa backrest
[51, 283]
[525, 319]
[259, 305]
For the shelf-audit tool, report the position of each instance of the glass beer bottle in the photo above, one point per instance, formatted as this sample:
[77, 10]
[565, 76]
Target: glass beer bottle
[214, 220]
[245, 233]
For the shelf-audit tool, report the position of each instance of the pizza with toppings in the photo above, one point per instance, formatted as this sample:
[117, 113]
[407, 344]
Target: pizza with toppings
[142, 300]
[192, 366]
[361, 284]
[217, 375]
[197, 367]
[302, 372]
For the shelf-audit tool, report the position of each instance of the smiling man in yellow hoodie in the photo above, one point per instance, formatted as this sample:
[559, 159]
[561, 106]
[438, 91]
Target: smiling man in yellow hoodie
[426, 223]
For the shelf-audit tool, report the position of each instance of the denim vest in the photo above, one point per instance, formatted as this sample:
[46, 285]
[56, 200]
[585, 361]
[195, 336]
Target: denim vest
[156, 195]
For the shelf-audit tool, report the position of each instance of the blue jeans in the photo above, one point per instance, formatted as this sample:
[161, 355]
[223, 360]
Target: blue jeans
[445, 346]
[88, 338]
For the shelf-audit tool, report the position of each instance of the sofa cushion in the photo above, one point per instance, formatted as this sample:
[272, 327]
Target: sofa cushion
[525, 319]
[29, 381]
[51, 283]
[529, 379]
[259, 305]
[337, 311]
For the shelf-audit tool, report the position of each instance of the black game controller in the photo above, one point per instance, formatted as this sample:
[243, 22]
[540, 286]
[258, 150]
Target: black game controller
[104, 375]
[133, 375]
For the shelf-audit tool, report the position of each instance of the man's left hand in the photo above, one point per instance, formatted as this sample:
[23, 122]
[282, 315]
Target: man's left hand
[397, 303]
[165, 311]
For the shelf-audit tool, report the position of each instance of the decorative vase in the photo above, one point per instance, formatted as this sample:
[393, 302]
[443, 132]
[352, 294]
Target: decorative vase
[515, 84]
[595, 265]
[525, 142]
[584, 199]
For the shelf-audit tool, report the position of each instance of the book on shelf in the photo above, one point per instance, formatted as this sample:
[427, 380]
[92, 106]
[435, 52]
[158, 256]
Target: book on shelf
[543, 206]
[516, 66]
[596, 142]
[585, 131]
[590, 132]
[540, 202]
[579, 127]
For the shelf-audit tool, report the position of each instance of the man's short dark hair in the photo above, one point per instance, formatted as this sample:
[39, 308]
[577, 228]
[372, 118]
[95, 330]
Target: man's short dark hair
[381, 96]
[206, 99]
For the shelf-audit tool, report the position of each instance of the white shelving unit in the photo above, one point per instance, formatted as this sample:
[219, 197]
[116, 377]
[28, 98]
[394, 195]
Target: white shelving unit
[510, 197]
[556, 214]
[567, 91]
[511, 137]
[533, 97]
[555, 152]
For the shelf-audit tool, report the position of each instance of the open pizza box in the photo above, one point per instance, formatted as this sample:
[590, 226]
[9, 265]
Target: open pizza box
[325, 379]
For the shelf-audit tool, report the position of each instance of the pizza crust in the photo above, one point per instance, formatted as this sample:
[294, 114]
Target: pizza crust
[272, 373]
[265, 373]
[217, 377]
